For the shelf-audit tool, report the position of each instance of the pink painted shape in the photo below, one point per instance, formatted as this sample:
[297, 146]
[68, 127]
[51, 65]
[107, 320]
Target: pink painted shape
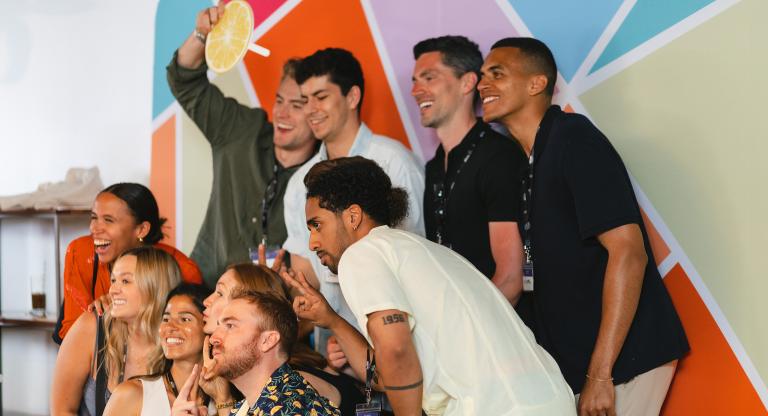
[403, 23]
[262, 9]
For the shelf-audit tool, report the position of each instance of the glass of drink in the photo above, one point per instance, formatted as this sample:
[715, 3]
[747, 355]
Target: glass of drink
[37, 286]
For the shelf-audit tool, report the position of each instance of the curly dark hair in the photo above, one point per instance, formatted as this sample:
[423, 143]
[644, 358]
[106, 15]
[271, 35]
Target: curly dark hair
[339, 183]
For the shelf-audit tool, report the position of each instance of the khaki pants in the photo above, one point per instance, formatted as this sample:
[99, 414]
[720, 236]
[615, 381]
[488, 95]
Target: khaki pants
[644, 395]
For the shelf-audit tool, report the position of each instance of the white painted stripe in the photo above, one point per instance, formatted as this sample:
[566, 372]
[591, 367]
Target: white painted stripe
[248, 85]
[273, 19]
[163, 117]
[653, 44]
[667, 264]
[676, 252]
[514, 18]
[389, 71]
[605, 38]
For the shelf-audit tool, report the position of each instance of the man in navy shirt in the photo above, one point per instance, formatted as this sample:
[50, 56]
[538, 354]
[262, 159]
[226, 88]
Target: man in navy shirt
[471, 197]
[597, 303]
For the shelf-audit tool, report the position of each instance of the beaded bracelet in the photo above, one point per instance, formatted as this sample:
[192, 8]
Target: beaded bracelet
[220, 406]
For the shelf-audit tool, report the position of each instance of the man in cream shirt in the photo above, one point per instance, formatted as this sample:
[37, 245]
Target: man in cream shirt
[445, 340]
[332, 82]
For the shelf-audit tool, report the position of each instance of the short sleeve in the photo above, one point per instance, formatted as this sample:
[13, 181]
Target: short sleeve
[370, 284]
[499, 185]
[599, 184]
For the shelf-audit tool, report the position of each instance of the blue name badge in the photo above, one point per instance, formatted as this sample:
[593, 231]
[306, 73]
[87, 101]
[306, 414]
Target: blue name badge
[527, 277]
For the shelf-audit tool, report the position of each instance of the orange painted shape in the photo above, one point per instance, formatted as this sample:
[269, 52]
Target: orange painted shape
[568, 108]
[659, 247]
[313, 25]
[710, 379]
[162, 176]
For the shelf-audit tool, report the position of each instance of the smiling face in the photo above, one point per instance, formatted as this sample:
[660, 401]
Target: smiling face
[236, 341]
[113, 227]
[437, 90]
[505, 84]
[181, 331]
[124, 290]
[328, 111]
[328, 237]
[218, 299]
[291, 127]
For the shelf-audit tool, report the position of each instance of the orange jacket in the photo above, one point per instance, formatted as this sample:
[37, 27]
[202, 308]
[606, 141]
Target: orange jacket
[78, 276]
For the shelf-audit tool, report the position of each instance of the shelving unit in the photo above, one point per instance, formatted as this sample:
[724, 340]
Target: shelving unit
[24, 320]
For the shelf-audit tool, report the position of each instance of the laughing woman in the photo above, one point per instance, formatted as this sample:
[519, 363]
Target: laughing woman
[97, 356]
[123, 216]
[181, 335]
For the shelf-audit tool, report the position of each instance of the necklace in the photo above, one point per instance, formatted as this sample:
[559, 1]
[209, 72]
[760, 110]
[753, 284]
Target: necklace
[172, 383]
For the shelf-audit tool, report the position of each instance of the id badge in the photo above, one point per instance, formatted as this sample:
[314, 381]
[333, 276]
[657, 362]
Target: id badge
[527, 277]
[368, 409]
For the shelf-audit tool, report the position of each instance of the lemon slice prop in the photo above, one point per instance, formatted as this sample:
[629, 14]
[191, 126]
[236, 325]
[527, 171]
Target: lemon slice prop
[230, 38]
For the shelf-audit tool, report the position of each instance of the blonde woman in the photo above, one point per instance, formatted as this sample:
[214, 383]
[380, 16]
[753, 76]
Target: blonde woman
[96, 356]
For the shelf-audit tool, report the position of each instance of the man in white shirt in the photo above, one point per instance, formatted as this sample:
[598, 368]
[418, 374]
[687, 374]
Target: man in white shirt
[445, 340]
[332, 82]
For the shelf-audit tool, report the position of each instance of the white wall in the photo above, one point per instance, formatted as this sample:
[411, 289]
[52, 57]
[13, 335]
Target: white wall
[75, 90]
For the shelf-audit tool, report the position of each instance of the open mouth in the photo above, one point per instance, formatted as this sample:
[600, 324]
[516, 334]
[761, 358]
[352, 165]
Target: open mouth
[490, 99]
[316, 120]
[425, 104]
[284, 128]
[171, 341]
[101, 245]
[117, 302]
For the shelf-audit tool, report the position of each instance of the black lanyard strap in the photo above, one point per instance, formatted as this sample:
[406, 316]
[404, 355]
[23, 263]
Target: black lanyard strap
[270, 192]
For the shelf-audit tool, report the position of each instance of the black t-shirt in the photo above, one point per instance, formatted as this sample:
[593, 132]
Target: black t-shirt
[581, 189]
[485, 189]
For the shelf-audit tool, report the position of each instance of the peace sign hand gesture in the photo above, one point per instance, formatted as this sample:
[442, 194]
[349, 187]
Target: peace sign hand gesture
[186, 402]
[310, 304]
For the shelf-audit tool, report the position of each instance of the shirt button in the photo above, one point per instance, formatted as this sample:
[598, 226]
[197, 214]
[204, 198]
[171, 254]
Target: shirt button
[253, 220]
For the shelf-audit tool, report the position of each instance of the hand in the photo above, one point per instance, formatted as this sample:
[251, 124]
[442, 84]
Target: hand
[100, 305]
[597, 398]
[277, 265]
[207, 18]
[186, 401]
[309, 304]
[336, 357]
[214, 386]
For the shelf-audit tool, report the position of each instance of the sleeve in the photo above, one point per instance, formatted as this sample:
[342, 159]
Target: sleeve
[190, 273]
[221, 119]
[499, 186]
[599, 184]
[369, 283]
[409, 175]
[294, 213]
[77, 296]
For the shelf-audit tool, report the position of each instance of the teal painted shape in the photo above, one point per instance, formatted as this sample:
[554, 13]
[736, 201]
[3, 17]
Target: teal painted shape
[174, 21]
[570, 28]
[647, 19]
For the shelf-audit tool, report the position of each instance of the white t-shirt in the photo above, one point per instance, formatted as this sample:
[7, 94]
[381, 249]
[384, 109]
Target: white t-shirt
[404, 171]
[155, 399]
[476, 355]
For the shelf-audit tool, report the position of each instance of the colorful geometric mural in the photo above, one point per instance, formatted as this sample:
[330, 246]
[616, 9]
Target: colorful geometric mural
[612, 55]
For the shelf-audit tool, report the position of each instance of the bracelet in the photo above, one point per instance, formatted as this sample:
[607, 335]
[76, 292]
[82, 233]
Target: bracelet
[200, 36]
[604, 380]
[226, 405]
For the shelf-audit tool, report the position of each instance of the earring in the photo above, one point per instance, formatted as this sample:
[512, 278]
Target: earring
[141, 239]
[354, 227]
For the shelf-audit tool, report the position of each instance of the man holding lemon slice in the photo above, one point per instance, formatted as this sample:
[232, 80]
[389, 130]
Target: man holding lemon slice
[252, 158]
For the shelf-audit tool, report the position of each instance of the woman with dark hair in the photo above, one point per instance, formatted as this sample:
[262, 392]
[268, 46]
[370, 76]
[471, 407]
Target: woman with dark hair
[181, 336]
[123, 216]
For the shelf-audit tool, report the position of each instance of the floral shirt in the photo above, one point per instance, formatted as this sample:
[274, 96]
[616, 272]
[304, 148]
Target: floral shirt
[287, 394]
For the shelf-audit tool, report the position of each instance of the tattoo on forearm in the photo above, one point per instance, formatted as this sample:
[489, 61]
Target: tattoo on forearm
[408, 387]
[393, 319]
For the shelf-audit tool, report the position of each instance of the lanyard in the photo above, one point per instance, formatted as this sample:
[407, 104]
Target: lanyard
[526, 199]
[442, 194]
[370, 373]
[266, 202]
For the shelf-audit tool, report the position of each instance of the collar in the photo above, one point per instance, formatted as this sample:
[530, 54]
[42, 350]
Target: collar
[475, 133]
[359, 146]
[545, 127]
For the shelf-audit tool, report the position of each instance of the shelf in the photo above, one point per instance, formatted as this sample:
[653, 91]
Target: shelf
[25, 320]
[44, 213]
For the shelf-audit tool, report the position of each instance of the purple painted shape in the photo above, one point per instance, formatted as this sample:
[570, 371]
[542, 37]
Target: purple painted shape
[403, 23]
